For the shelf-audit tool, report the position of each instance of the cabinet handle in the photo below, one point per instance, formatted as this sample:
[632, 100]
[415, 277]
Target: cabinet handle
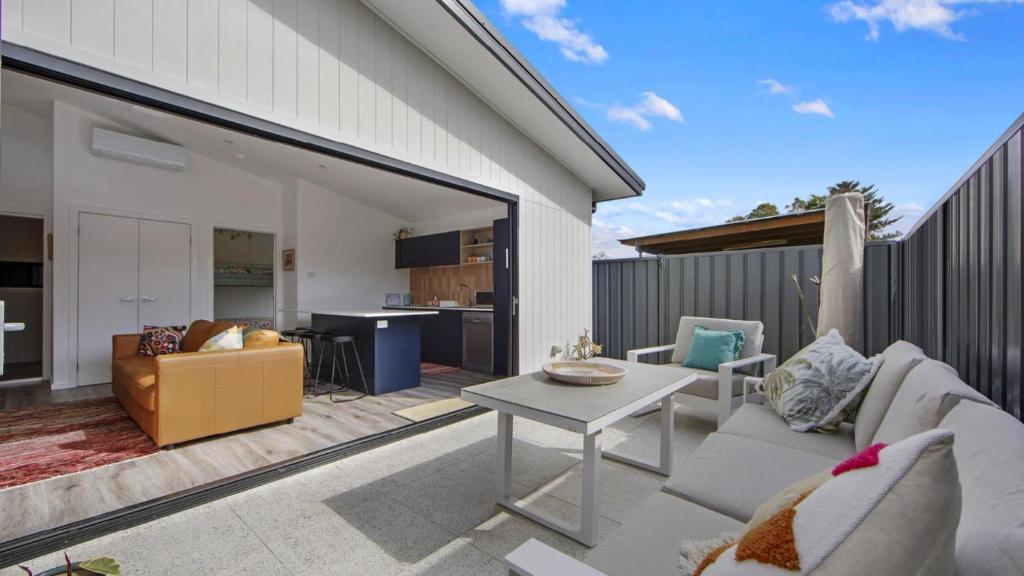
[148, 299]
[127, 299]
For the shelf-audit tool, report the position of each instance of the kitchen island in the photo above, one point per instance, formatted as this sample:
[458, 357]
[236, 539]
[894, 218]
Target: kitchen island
[388, 343]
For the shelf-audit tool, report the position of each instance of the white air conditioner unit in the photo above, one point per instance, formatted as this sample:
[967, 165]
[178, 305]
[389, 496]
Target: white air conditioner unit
[138, 150]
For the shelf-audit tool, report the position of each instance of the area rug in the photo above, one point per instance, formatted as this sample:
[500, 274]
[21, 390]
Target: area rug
[432, 409]
[429, 369]
[51, 440]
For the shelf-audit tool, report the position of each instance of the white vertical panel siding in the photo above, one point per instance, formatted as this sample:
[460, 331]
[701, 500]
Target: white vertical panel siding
[336, 69]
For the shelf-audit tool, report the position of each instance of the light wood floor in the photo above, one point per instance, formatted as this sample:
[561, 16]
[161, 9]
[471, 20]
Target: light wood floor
[30, 508]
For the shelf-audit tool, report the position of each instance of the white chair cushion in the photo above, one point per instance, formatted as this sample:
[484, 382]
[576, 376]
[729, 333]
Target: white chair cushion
[989, 452]
[762, 423]
[752, 331]
[706, 385]
[897, 361]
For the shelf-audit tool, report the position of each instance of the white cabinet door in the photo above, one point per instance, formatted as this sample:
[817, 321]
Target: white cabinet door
[108, 289]
[165, 268]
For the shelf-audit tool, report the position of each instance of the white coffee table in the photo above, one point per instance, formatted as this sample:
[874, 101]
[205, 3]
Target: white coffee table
[587, 410]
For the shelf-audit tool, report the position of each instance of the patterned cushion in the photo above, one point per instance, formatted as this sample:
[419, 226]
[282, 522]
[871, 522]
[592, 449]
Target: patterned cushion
[160, 340]
[230, 339]
[820, 386]
[888, 510]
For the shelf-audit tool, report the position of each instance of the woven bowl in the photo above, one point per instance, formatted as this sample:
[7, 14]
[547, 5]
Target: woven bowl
[584, 373]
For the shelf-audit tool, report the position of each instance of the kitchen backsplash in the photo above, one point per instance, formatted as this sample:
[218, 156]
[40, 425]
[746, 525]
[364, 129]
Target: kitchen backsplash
[444, 281]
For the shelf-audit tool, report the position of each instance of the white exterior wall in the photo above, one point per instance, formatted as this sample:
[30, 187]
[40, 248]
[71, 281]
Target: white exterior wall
[335, 69]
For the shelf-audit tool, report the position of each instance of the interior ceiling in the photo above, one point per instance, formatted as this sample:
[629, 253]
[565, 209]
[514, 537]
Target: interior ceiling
[403, 197]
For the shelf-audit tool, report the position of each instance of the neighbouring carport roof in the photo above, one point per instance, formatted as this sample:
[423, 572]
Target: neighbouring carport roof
[799, 229]
[459, 36]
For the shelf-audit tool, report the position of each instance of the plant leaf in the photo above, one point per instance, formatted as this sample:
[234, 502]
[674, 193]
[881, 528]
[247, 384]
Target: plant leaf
[102, 565]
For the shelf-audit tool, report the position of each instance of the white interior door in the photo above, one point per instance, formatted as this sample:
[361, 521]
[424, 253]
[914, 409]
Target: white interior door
[165, 268]
[108, 290]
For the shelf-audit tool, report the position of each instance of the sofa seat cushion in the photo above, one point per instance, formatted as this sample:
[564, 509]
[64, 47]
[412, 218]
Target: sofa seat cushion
[733, 475]
[897, 361]
[927, 394]
[706, 385]
[648, 541]
[763, 423]
[138, 375]
[989, 452]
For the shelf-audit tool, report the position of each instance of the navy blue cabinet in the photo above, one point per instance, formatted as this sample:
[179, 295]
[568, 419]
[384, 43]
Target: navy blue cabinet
[442, 338]
[431, 250]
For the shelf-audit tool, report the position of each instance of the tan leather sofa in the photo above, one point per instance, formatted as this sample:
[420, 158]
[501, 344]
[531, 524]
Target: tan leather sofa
[179, 397]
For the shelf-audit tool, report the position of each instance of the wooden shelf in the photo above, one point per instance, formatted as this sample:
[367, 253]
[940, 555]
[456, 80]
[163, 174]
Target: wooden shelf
[481, 245]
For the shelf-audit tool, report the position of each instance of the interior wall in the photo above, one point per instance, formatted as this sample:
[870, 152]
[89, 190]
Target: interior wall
[26, 189]
[206, 194]
[344, 252]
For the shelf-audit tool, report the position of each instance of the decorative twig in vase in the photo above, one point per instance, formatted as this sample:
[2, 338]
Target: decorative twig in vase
[584, 349]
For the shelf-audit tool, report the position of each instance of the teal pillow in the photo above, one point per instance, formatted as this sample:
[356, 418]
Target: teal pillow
[709, 348]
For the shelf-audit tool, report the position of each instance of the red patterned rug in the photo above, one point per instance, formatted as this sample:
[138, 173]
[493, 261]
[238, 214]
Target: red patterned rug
[429, 369]
[56, 439]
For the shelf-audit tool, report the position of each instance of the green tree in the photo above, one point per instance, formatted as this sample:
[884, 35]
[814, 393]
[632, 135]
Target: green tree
[878, 208]
[762, 210]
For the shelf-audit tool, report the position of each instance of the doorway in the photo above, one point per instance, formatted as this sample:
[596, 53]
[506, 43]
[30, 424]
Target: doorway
[22, 241]
[243, 277]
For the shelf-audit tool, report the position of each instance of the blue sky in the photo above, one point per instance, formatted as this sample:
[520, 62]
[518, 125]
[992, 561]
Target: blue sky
[722, 105]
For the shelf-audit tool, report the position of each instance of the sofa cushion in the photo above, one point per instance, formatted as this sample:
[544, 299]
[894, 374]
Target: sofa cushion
[752, 331]
[261, 338]
[160, 340]
[762, 423]
[138, 375]
[648, 541]
[196, 334]
[706, 385]
[230, 339]
[989, 452]
[895, 512]
[733, 475]
[897, 361]
[927, 394]
[709, 348]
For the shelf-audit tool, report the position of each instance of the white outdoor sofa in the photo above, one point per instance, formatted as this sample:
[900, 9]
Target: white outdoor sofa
[723, 391]
[755, 455]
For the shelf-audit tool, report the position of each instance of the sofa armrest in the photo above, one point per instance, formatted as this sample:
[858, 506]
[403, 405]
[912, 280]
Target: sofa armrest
[126, 345]
[634, 355]
[767, 359]
[535, 558]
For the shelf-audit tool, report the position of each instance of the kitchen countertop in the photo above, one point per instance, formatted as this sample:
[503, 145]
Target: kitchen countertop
[369, 313]
[436, 308]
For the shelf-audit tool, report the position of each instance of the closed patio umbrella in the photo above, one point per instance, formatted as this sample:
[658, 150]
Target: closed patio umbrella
[842, 269]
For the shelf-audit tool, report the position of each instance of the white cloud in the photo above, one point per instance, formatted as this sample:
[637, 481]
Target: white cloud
[543, 18]
[936, 16]
[911, 212]
[818, 107]
[650, 106]
[773, 86]
[629, 219]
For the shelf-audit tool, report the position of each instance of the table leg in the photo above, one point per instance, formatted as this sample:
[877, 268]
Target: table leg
[504, 453]
[591, 488]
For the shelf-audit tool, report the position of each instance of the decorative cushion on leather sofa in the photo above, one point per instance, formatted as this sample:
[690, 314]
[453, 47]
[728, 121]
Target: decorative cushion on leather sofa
[230, 339]
[159, 340]
[821, 385]
[733, 475]
[762, 423]
[927, 394]
[709, 348]
[989, 454]
[897, 361]
[261, 339]
[892, 510]
[201, 330]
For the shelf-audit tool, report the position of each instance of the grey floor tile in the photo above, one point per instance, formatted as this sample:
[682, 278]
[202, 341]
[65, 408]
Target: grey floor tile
[532, 464]
[457, 558]
[622, 488]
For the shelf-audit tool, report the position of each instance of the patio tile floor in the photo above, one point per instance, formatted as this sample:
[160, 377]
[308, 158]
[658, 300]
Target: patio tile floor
[420, 506]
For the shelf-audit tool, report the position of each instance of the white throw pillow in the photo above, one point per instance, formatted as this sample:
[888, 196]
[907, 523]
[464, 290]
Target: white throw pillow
[888, 510]
[821, 385]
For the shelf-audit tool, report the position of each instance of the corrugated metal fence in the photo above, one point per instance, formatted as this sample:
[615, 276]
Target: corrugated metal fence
[951, 286]
[961, 269]
[637, 303]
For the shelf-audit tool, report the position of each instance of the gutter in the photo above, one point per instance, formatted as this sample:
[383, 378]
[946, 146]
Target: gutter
[466, 14]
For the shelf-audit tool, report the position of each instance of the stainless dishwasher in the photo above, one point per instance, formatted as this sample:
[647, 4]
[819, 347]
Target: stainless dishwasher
[478, 342]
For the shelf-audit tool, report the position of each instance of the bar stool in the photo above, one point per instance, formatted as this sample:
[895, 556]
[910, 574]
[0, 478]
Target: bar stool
[337, 344]
[303, 336]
